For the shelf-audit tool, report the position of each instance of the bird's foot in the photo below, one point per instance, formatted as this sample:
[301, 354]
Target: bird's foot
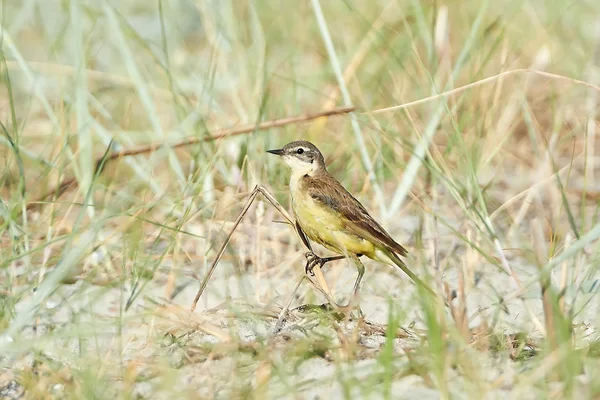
[312, 260]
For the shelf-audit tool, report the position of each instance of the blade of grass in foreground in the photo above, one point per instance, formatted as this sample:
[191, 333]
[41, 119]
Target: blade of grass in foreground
[142, 88]
[413, 166]
[335, 65]
[74, 251]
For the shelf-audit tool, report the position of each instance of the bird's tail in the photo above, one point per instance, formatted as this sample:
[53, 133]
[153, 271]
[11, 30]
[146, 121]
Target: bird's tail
[392, 258]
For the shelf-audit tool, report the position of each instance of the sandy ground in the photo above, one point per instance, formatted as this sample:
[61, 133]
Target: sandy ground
[229, 345]
[244, 308]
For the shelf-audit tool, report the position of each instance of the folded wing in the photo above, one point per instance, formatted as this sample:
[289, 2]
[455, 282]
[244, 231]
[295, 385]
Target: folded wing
[330, 193]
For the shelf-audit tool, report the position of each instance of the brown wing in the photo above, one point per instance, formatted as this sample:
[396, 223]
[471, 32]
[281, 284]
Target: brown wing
[328, 191]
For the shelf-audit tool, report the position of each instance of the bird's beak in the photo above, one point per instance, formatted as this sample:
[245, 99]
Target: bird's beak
[278, 152]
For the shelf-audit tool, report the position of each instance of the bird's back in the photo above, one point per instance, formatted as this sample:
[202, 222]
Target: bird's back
[329, 214]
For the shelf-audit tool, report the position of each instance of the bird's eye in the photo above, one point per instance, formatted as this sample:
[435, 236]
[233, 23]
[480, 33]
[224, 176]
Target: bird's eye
[300, 151]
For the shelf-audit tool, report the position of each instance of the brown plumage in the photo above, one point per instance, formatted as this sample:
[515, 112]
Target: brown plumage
[329, 215]
[325, 189]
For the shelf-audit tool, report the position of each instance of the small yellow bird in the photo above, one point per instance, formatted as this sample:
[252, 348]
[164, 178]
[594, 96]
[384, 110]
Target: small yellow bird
[329, 215]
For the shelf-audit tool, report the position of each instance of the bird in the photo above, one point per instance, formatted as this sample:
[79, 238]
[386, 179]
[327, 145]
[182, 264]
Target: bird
[330, 216]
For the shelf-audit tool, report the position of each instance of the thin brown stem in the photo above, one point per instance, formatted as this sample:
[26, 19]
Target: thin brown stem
[321, 284]
[223, 133]
[288, 303]
[220, 134]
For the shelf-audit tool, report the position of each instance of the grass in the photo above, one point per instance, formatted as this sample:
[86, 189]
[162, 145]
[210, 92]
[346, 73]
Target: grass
[474, 142]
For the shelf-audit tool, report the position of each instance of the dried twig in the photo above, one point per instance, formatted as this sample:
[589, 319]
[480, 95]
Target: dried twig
[286, 307]
[223, 133]
[447, 93]
[220, 134]
[321, 284]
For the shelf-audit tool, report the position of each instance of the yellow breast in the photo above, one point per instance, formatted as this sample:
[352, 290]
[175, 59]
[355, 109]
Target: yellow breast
[326, 226]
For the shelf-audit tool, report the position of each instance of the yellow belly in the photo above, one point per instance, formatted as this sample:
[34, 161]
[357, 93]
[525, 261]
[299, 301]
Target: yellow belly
[324, 226]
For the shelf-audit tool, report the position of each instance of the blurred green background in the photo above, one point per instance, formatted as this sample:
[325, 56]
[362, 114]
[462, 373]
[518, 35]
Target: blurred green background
[494, 188]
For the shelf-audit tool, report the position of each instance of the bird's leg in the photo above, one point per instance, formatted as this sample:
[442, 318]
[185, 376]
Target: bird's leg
[313, 260]
[361, 271]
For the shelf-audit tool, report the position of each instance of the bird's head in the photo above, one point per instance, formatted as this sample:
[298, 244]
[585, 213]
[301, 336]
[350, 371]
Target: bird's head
[302, 157]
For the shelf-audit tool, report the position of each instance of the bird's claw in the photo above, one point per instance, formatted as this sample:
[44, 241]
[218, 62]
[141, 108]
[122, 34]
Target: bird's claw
[312, 260]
